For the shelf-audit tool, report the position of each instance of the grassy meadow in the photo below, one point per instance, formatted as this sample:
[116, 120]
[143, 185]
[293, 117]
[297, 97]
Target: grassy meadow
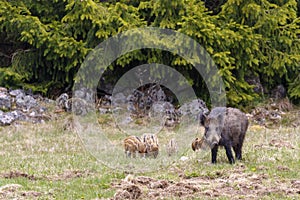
[49, 161]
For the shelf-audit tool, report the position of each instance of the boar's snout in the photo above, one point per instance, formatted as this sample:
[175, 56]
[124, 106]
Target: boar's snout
[213, 144]
[212, 140]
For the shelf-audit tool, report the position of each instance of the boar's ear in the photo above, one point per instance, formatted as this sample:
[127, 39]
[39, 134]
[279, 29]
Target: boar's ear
[194, 144]
[202, 118]
[220, 118]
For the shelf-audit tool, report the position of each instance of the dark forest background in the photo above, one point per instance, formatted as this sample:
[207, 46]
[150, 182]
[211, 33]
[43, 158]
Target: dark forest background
[254, 43]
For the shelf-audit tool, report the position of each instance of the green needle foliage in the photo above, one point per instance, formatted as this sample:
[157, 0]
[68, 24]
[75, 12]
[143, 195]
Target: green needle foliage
[45, 42]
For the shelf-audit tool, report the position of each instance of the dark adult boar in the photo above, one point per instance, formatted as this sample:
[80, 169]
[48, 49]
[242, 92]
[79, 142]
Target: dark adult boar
[225, 127]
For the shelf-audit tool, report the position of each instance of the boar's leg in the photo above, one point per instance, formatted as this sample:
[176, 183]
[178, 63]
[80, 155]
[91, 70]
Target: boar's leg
[214, 152]
[133, 154]
[155, 154]
[229, 154]
[238, 152]
[127, 153]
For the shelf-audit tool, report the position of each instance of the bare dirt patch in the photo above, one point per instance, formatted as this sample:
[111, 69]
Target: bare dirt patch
[14, 191]
[17, 174]
[278, 143]
[236, 184]
[66, 175]
[69, 174]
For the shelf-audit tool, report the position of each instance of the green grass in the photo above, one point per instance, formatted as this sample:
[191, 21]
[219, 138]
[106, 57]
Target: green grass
[54, 162]
[47, 152]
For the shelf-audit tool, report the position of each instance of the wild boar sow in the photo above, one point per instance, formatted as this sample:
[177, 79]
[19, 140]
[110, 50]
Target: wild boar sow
[225, 127]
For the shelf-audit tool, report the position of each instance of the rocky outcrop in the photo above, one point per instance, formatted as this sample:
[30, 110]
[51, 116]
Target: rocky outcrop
[17, 105]
[147, 102]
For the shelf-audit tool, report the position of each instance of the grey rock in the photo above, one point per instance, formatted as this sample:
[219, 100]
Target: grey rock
[130, 107]
[118, 99]
[62, 102]
[5, 101]
[80, 93]
[22, 107]
[255, 82]
[194, 108]
[90, 96]
[3, 89]
[17, 92]
[30, 102]
[104, 110]
[279, 92]
[156, 93]
[127, 120]
[26, 102]
[167, 111]
[79, 107]
[85, 94]
[18, 115]
[6, 119]
[158, 107]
